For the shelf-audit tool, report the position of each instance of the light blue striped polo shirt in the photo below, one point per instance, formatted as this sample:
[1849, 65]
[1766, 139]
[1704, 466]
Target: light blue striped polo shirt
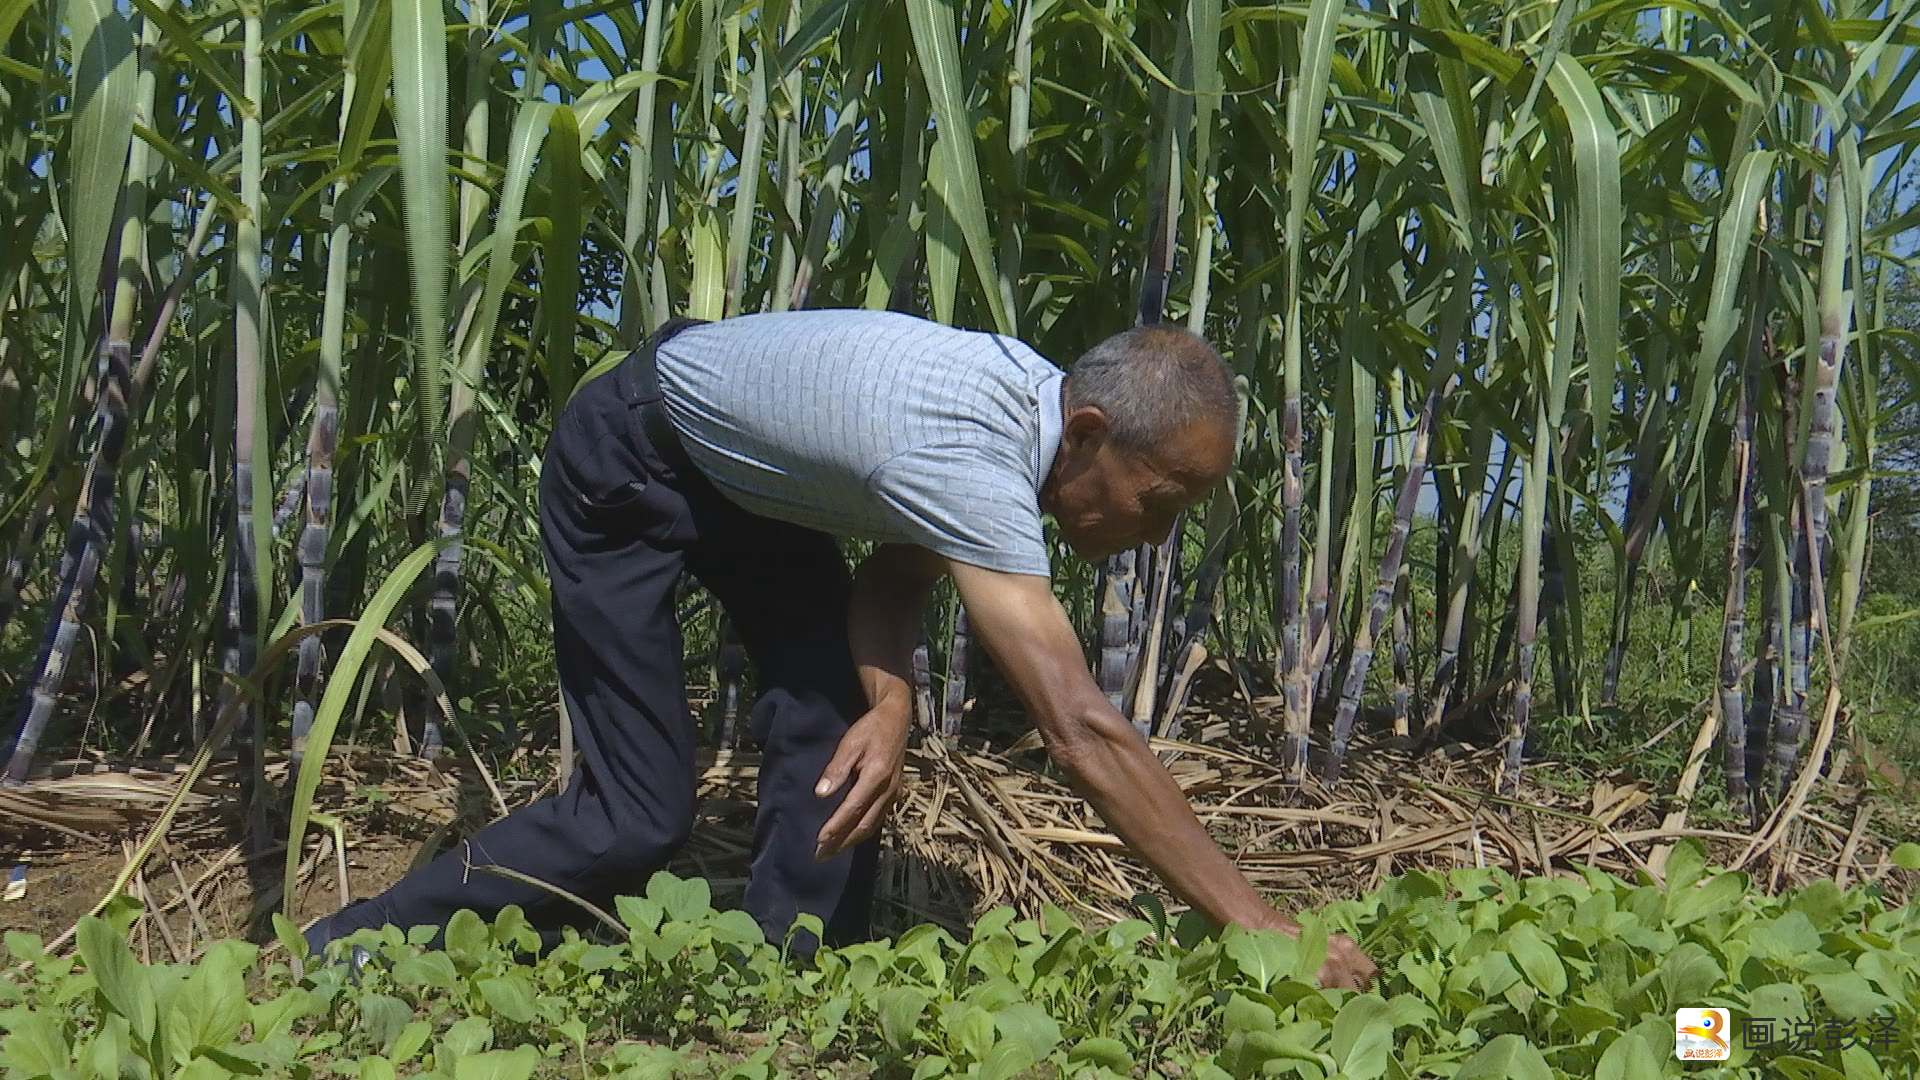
[873, 424]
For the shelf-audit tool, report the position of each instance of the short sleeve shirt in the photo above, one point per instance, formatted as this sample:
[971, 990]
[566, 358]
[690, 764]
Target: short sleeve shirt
[873, 424]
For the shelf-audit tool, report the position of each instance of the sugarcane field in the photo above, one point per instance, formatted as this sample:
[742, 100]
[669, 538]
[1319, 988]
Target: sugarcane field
[907, 539]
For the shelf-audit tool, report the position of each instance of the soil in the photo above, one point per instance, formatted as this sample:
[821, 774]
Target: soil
[397, 810]
[61, 887]
[66, 877]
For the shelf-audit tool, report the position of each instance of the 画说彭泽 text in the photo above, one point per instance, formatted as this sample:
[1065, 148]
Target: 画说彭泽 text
[1809, 1034]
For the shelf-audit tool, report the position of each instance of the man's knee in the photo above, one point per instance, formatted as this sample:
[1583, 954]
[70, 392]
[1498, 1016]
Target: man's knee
[818, 710]
[631, 849]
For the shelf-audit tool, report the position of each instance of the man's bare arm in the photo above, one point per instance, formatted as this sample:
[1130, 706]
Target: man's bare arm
[1028, 635]
[890, 593]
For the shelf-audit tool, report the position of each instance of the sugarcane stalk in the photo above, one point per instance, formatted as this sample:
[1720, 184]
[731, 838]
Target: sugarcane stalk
[1116, 584]
[1306, 96]
[1012, 238]
[1836, 309]
[730, 669]
[1451, 327]
[1527, 606]
[122, 276]
[1733, 633]
[1653, 454]
[289, 502]
[1466, 561]
[246, 596]
[1734, 618]
[1549, 415]
[1644, 494]
[1402, 650]
[1793, 613]
[1129, 582]
[1350, 447]
[922, 684]
[1291, 671]
[1763, 695]
[1162, 233]
[1391, 564]
[954, 704]
[1164, 560]
[638, 310]
[745, 204]
[787, 153]
[1202, 34]
[87, 539]
[1222, 522]
[1560, 603]
[443, 602]
[1323, 615]
[1864, 439]
[163, 319]
[1790, 720]
[1553, 606]
[1355, 470]
[323, 435]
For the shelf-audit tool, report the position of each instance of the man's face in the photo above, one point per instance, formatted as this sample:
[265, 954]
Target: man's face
[1107, 499]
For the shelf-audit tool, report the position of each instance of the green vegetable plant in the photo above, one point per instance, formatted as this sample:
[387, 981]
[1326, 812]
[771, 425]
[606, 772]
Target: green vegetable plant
[1484, 976]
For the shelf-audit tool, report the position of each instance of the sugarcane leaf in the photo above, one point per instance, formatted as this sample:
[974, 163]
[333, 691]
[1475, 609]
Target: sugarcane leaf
[370, 46]
[821, 23]
[523, 145]
[419, 37]
[602, 98]
[944, 238]
[937, 46]
[90, 172]
[1751, 178]
[708, 297]
[1306, 104]
[182, 37]
[1596, 156]
[10, 13]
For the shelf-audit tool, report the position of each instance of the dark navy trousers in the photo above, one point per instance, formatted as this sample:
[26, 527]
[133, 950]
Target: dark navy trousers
[618, 523]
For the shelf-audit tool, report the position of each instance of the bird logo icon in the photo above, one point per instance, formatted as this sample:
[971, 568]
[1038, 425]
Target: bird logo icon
[1700, 1034]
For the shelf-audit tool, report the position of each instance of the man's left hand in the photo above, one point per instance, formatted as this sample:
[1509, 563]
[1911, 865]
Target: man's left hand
[871, 753]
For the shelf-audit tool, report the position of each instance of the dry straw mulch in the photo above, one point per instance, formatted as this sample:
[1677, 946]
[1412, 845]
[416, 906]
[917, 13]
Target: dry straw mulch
[977, 827]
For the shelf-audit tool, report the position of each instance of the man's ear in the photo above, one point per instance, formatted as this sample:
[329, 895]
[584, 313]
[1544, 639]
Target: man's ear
[1085, 425]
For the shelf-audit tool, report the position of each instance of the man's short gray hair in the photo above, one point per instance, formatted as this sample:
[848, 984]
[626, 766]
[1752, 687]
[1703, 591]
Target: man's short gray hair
[1154, 382]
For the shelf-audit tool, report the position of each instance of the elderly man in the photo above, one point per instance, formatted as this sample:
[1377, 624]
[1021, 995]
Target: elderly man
[738, 450]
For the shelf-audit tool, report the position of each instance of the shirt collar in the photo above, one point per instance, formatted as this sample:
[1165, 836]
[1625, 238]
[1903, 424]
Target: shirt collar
[1050, 421]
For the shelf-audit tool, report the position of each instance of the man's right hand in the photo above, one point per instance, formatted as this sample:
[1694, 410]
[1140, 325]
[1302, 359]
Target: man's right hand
[1347, 968]
[1033, 644]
